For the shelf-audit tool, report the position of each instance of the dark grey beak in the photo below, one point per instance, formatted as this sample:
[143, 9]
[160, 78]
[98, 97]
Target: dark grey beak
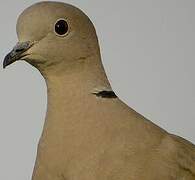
[16, 53]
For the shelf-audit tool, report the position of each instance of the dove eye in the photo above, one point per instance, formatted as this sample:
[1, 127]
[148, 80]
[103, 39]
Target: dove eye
[61, 27]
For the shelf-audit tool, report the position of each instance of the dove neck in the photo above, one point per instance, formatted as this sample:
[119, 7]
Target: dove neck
[69, 95]
[76, 82]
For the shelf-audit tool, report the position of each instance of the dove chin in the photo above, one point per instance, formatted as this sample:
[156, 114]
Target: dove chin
[17, 53]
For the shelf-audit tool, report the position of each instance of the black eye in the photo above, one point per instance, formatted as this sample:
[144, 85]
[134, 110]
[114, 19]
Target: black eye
[61, 27]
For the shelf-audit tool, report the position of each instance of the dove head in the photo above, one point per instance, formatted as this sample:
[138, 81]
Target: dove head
[53, 34]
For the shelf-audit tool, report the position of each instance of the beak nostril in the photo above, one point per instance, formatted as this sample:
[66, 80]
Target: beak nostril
[21, 47]
[19, 50]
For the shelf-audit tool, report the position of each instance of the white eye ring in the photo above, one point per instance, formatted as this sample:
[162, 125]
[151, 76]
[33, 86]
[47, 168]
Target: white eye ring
[61, 27]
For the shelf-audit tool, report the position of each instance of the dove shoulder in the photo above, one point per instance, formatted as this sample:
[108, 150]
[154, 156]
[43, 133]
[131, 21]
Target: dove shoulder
[177, 158]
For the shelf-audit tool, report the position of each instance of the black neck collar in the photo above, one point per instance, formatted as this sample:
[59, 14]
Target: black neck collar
[105, 94]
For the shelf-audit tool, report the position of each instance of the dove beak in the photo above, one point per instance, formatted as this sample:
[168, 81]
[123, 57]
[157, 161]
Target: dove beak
[17, 53]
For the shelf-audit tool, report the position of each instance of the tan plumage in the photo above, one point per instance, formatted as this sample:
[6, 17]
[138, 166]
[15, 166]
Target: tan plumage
[86, 137]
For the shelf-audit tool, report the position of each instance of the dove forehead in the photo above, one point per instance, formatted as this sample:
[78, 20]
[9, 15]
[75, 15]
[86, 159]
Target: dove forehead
[38, 20]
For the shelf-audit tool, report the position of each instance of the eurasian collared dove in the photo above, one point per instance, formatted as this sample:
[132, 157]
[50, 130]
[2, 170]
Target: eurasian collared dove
[89, 133]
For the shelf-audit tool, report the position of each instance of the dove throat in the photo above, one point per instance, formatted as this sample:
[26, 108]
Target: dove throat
[73, 87]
